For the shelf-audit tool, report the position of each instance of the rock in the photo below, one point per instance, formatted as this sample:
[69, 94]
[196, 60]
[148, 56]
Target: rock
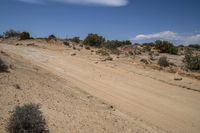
[72, 53]
[145, 61]
[177, 77]
[108, 58]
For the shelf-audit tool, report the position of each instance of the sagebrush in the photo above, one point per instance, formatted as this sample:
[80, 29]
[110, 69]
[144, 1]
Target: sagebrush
[27, 119]
[166, 47]
[163, 62]
[192, 61]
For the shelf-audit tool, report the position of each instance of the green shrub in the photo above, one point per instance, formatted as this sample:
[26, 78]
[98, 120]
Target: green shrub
[166, 47]
[24, 36]
[94, 40]
[195, 46]
[3, 66]
[27, 119]
[51, 37]
[66, 43]
[192, 61]
[11, 33]
[147, 48]
[76, 39]
[114, 44]
[163, 61]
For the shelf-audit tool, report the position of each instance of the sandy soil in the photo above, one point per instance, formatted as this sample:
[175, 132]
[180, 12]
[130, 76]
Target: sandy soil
[144, 100]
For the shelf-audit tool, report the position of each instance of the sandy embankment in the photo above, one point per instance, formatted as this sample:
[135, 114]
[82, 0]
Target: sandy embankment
[149, 98]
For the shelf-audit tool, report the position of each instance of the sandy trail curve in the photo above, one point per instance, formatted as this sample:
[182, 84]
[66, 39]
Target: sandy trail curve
[162, 106]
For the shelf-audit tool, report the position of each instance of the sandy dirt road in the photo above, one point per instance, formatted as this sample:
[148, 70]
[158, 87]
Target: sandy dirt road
[160, 104]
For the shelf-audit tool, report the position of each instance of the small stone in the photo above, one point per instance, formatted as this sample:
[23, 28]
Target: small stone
[177, 77]
[72, 53]
[108, 58]
[145, 61]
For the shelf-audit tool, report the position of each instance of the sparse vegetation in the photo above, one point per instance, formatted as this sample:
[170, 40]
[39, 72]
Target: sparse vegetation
[147, 48]
[195, 46]
[3, 66]
[163, 61]
[102, 52]
[11, 33]
[166, 47]
[66, 43]
[24, 35]
[114, 44]
[51, 37]
[87, 47]
[145, 61]
[94, 40]
[151, 56]
[27, 119]
[76, 39]
[192, 61]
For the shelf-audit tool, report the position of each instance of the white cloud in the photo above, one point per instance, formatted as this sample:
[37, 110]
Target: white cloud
[161, 35]
[169, 36]
[84, 2]
[195, 39]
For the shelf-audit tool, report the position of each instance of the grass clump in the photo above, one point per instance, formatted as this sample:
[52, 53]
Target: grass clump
[27, 119]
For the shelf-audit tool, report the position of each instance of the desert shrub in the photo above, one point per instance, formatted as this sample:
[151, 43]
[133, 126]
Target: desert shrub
[181, 46]
[166, 47]
[114, 44]
[66, 43]
[27, 119]
[151, 56]
[11, 33]
[195, 46]
[145, 61]
[151, 44]
[102, 52]
[94, 40]
[163, 61]
[87, 47]
[1, 36]
[192, 61]
[76, 39]
[137, 44]
[24, 36]
[147, 48]
[51, 37]
[116, 51]
[3, 66]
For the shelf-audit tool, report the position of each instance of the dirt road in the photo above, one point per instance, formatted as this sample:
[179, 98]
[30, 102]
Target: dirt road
[151, 98]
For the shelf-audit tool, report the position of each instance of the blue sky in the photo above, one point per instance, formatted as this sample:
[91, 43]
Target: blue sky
[138, 20]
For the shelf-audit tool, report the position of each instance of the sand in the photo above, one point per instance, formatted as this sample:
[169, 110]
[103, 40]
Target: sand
[78, 92]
